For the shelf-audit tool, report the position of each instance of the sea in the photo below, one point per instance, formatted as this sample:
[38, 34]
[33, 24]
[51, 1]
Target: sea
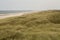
[13, 11]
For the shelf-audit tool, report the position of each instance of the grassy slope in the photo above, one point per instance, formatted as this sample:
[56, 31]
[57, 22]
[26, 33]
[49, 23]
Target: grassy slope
[43, 25]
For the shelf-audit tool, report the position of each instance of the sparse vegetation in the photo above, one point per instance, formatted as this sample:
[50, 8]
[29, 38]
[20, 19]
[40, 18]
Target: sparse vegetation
[43, 25]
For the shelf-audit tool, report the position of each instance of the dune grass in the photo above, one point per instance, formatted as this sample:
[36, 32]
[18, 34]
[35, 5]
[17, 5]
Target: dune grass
[43, 25]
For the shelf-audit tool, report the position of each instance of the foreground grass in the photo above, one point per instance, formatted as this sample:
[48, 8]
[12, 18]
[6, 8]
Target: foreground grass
[43, 25]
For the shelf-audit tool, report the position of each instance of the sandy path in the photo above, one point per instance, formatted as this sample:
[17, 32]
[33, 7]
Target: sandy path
[2, 16]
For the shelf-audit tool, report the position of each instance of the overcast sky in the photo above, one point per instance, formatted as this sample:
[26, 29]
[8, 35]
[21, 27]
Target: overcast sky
[29, 4]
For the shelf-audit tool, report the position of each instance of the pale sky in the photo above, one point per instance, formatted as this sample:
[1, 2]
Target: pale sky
[29, 4]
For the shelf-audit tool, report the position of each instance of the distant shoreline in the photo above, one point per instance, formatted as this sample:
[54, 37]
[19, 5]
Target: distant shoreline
[3, 16]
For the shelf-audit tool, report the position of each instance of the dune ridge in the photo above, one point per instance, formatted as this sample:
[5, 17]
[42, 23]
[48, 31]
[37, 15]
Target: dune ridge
[44, 25]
